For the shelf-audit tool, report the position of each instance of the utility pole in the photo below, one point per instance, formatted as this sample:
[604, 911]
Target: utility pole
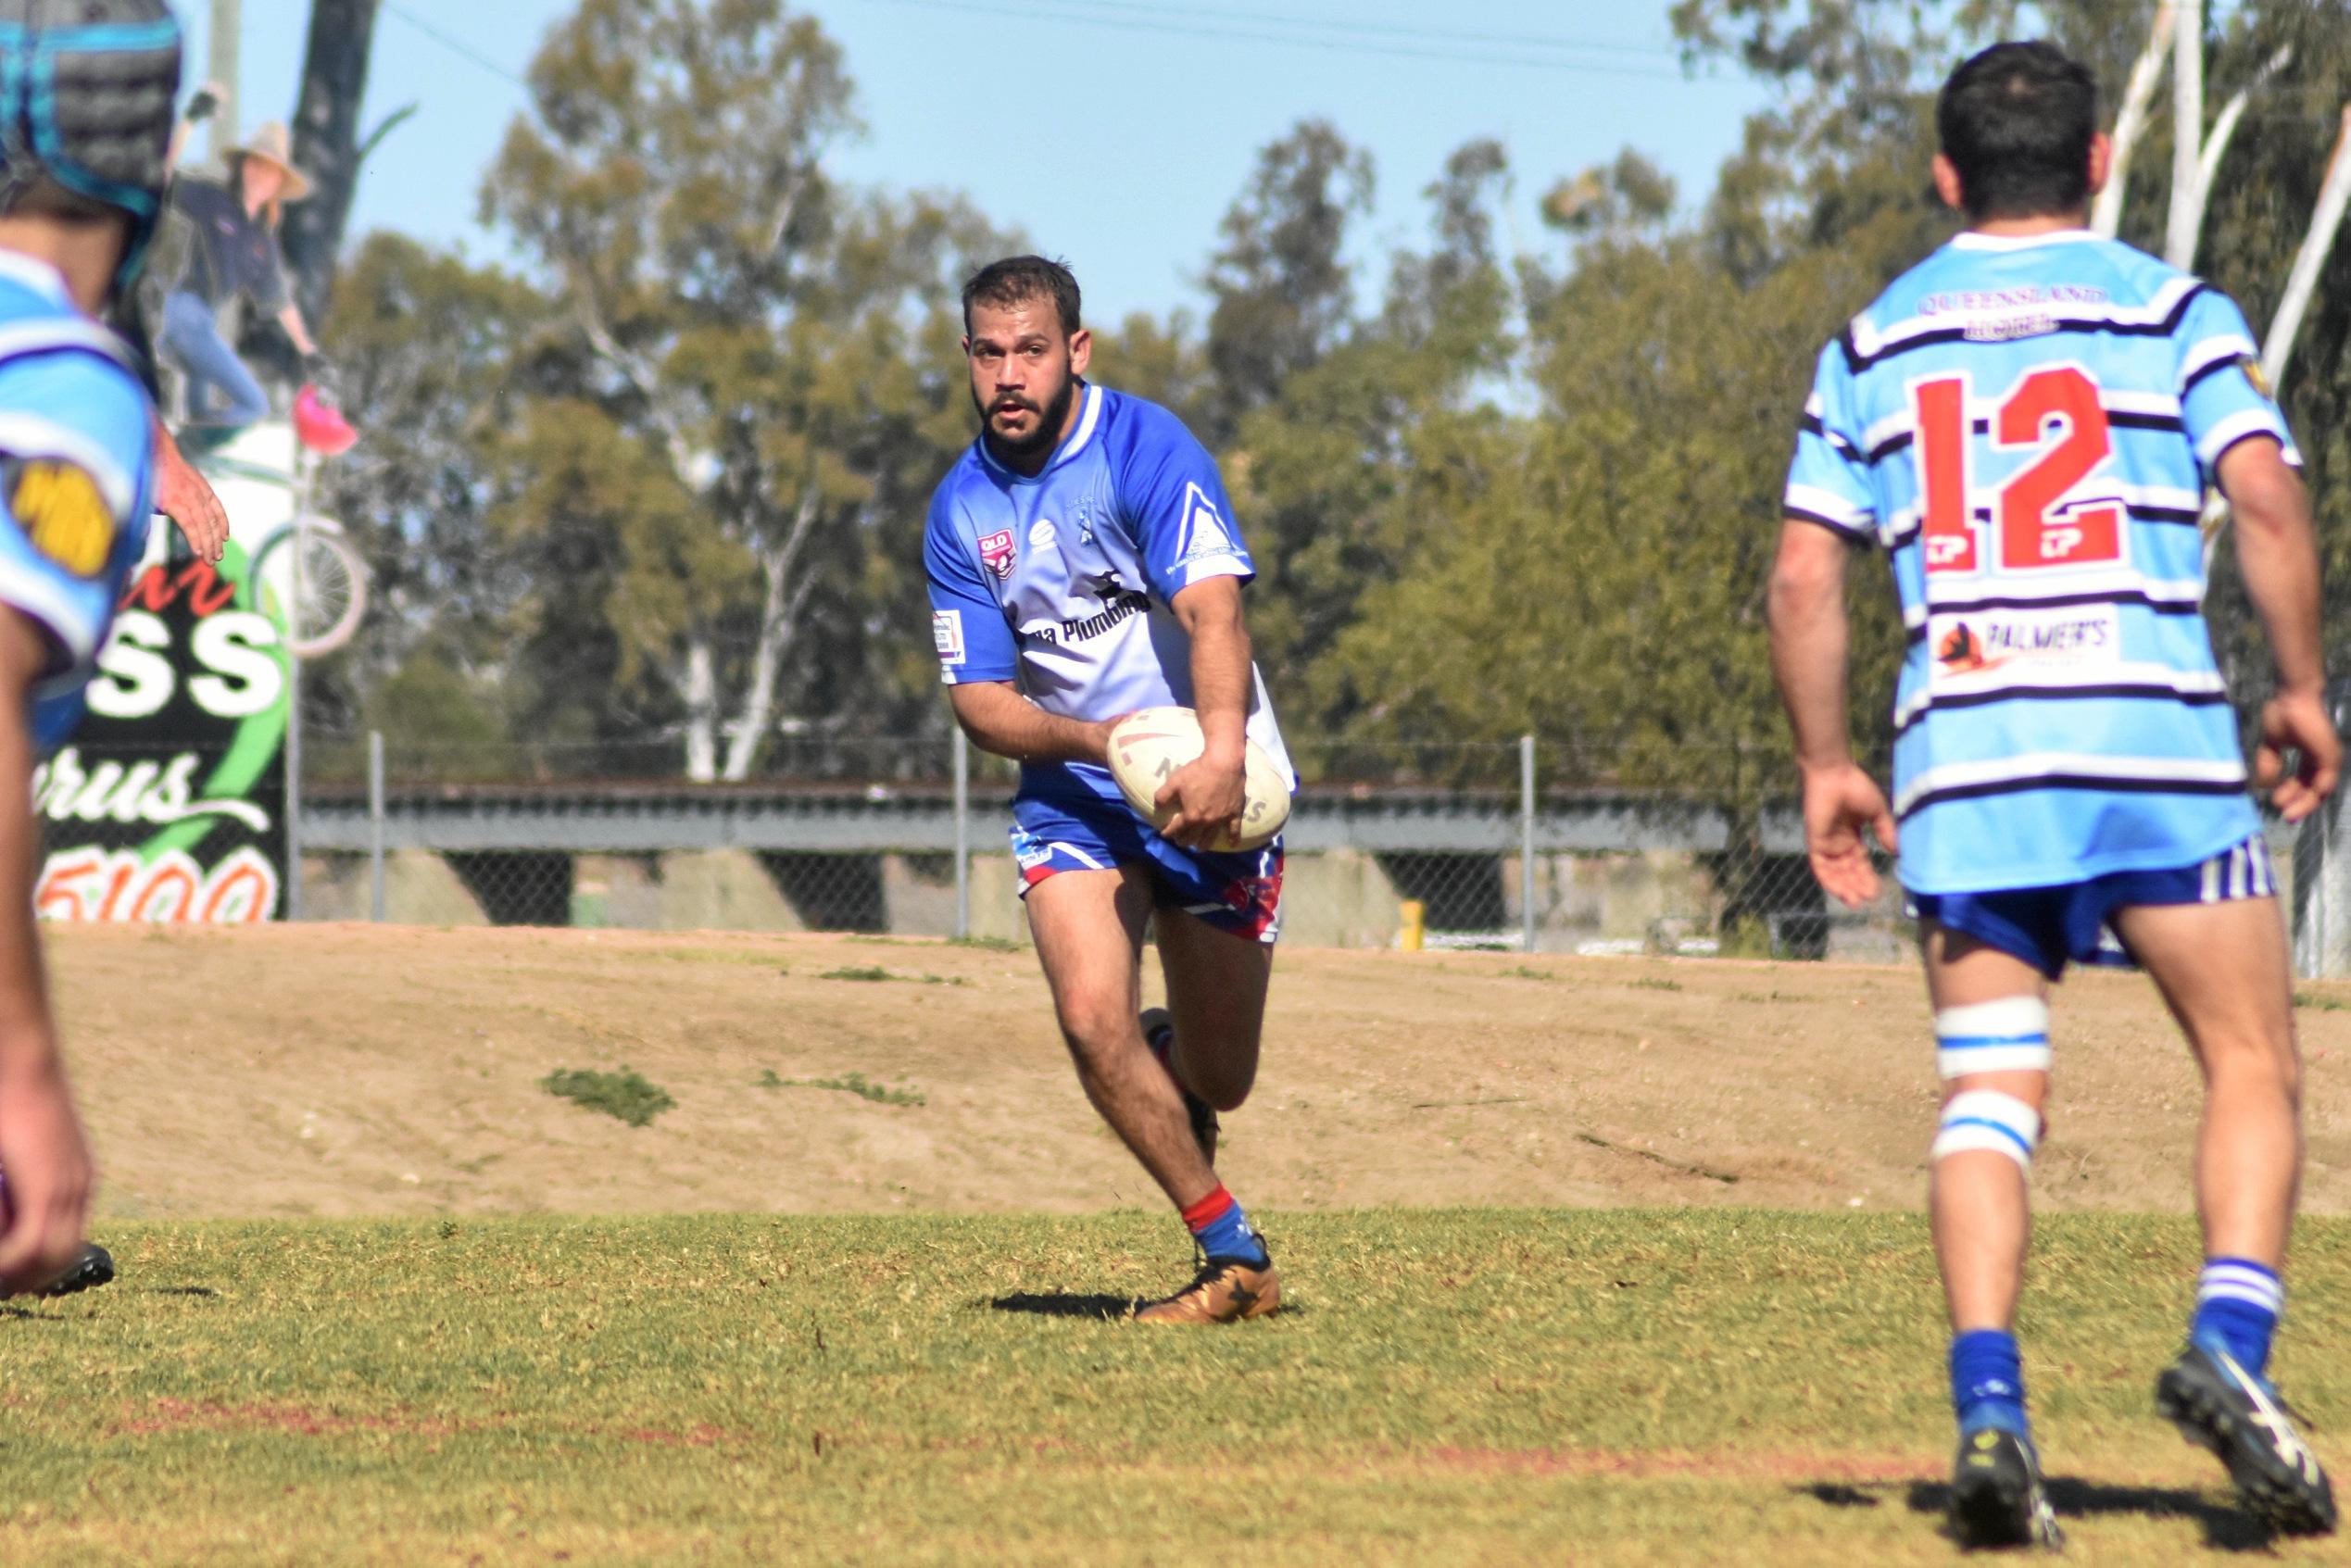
[221, 66]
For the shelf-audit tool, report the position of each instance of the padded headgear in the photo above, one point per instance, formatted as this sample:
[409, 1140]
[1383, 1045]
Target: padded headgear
[86, 94]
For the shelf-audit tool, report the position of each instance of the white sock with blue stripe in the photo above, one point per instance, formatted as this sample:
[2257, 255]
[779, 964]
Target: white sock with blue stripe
[2008, 1035]
[2238, 1302]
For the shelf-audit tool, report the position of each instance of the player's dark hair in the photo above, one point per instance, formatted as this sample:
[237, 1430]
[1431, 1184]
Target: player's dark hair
[1017, 280]
[2017, 121]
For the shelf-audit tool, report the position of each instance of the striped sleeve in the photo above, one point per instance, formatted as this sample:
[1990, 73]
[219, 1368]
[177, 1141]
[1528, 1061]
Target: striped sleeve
[1829, 481]
[2223, 399]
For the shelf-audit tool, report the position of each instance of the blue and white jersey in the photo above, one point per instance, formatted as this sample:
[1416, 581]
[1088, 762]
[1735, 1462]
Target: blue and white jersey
[77, 480]
[1062, 582]
[2028, 425]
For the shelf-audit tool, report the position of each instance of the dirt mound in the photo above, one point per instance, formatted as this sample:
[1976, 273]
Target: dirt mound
[365, 1070]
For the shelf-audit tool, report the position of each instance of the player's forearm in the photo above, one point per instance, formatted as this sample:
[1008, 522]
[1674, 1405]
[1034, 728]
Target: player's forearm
[28, 1036]
[2277, 551]
[1004, 723]
[1809, 638]
[1223, 676]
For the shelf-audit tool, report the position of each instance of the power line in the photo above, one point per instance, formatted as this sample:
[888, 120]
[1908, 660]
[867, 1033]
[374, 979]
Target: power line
[1339, 38]
[455, 45]
[1448, 36]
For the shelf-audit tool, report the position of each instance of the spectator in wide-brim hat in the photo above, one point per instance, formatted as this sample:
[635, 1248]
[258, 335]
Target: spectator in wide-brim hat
[234, 254]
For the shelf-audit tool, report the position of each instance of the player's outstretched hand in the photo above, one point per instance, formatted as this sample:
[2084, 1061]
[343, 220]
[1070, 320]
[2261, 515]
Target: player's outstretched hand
[2297, 722]
[1208, 797]
[1839, 804]
[47, 1169]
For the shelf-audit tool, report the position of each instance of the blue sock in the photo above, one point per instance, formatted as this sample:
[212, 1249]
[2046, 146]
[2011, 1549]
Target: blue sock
[2238, 1301]
[1987, 1382]
[1217, 1222]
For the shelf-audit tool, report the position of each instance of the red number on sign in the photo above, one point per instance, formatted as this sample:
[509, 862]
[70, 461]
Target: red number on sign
[2035, 532]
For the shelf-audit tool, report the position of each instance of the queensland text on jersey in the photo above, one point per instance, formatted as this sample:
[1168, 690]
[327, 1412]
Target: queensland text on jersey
[2028, 425]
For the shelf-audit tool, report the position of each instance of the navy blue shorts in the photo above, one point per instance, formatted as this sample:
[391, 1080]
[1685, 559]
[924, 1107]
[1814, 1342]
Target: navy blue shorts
[1239, 892]
[2047, 927]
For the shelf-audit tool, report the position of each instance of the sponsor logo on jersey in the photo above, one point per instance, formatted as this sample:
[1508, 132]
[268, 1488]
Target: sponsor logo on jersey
[1971, 645]
[2252, 369]
[997, 551]
[1042, 534]
[1118, 607]
[58, 506]
[1203, 532]
[947, 631]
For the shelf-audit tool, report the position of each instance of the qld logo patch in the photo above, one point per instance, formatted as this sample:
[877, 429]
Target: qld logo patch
[997, 551]
[58, 506]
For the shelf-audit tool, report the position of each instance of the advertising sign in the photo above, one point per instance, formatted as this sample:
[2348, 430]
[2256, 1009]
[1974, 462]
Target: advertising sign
[168, 802]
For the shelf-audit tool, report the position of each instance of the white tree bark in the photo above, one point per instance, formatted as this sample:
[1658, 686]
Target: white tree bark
[2187, 134]
[2277, 347]
[700, 691]
[2130, 124]
[2326, 220]
[779, 624]
[2215, 147]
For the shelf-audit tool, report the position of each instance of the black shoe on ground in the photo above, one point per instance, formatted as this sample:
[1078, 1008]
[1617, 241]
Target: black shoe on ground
[1159, 1033]
[95, 1267]
[1996, 1495]
[2217, 1404]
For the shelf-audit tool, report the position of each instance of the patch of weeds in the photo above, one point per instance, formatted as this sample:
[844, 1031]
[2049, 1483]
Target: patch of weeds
[875, 973]
[1760, 996]
[856, 1083]
[1654, 985]
[1524, 973]
[988, 944]
[2319, 1001]
[626, 1093]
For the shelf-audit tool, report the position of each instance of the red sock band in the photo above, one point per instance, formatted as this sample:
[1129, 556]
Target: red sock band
[1208, 1210]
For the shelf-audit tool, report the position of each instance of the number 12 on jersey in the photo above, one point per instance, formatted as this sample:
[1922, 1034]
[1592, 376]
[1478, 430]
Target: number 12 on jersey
[2053, 411]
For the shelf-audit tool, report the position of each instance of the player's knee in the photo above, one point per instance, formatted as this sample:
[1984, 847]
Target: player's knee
[1092, 1026]
[1991, 1120]
[2254, 1062]
[1225, 1090]
[2008, 1035]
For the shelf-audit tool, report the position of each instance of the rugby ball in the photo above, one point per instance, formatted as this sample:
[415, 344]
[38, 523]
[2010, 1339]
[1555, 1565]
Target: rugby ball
[1146, 749]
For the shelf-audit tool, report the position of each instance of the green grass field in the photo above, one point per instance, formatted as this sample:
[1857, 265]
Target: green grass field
[1485, 1386]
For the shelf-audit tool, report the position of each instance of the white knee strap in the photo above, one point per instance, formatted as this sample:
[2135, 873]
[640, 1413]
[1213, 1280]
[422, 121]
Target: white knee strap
[2008, 1035]
[1989, 1119]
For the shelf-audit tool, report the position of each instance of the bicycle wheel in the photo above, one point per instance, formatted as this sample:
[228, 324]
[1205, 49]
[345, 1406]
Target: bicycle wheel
[335, 586]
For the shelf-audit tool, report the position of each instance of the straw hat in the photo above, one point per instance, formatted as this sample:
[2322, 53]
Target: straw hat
[270, 144]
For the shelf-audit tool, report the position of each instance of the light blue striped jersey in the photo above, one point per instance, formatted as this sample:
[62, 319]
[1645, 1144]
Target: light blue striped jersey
[77, 480]
[1062, 581]
[2027, 426]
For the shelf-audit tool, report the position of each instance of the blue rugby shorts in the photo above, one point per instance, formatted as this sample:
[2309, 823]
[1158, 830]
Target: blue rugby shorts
[1239, 892]
[2048, 926]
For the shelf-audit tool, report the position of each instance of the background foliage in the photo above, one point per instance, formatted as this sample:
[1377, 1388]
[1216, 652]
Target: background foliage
[667, 486]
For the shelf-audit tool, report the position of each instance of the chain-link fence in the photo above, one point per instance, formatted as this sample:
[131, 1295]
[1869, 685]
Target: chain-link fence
[1501, 846]
[1507, 846]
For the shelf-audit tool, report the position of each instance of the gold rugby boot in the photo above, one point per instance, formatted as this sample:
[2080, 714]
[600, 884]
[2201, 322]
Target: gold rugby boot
[1225, 1290]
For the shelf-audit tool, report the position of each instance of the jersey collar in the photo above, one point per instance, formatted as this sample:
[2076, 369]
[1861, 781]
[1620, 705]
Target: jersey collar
[1970, 240]
[38, 276]
[1090, 414]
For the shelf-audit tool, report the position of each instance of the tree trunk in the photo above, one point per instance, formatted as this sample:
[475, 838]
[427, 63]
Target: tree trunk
[2138, 97]
[326, 144]
[2187, 136]
[702, 711]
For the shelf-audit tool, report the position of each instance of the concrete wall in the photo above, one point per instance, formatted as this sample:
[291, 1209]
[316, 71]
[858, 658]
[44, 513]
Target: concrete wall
[1339, 898]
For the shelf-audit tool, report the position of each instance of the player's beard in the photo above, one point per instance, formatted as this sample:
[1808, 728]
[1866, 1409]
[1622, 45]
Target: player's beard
[1048, 424]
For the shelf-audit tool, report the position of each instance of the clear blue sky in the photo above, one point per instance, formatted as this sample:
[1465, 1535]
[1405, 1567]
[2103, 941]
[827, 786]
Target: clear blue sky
[1112, 132]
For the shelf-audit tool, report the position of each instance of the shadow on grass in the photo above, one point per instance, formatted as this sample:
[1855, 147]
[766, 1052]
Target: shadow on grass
[204, 1290]
[2225, 1529]
[1066, 1304]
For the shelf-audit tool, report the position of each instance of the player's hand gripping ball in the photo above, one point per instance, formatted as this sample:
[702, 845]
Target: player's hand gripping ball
[1146, 749]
